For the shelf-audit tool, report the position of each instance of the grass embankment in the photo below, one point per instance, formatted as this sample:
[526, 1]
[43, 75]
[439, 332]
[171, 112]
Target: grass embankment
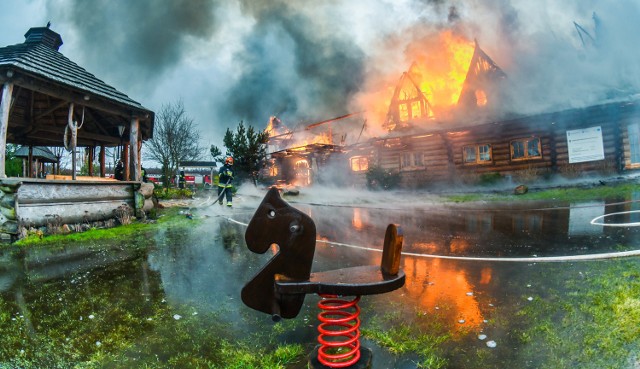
[585, 320]
[556, 194]
[125, 233]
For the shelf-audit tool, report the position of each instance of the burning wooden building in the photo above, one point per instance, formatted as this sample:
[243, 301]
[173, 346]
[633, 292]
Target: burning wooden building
[460, 133]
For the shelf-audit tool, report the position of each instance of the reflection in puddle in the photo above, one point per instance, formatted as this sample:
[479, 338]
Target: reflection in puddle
[581, 215]
[444, 287]
[541, 231]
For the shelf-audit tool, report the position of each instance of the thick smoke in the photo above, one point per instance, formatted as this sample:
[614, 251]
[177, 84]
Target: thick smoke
[294, 68]
[306, 61]
[144, 38]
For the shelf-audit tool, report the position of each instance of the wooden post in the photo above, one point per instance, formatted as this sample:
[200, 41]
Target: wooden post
[133, 146]
[74, 139]
[5, 106]
[140, 157]
[103, 162]
[92, 151]
[125, 161]
[30, 161]
[392, 250]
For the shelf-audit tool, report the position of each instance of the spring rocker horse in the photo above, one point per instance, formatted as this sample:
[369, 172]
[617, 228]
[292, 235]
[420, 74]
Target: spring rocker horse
[279, 288]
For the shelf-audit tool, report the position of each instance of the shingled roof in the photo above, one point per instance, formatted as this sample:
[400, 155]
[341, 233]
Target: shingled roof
[46, 82]
[41, 152]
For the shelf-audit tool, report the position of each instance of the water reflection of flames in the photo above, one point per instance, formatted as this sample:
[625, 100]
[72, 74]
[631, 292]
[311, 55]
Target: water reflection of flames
[430, 247]
[448, 289]
[485, 275]
[458, 246]
[357, 219]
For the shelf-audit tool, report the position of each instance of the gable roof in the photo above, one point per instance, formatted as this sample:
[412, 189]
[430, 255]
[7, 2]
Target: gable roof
[41, 152]
[407, 103]
[482, 74]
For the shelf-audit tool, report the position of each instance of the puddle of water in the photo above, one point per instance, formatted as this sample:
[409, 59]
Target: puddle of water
[492, 232]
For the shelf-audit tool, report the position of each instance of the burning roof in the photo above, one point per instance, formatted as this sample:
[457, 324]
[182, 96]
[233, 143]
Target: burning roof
[422, 95]
[450, 74]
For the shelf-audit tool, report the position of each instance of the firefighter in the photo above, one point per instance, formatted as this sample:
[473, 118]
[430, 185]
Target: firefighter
[182, 182]
[224, 182]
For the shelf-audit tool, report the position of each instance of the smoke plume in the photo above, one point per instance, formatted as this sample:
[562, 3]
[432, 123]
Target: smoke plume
[307, 61]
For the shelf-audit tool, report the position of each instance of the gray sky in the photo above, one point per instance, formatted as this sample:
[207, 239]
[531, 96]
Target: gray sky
[312, 60]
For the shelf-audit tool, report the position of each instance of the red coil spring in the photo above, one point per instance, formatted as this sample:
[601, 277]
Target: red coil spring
[339, 331]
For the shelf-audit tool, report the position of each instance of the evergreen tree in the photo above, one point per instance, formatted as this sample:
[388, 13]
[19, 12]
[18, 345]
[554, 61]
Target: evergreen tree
[248, 148]
[12, 164]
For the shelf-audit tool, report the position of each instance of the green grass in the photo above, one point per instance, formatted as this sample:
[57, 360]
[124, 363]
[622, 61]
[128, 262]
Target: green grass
[586, 322]
[166, 217]
[556, 194]
[422, 337]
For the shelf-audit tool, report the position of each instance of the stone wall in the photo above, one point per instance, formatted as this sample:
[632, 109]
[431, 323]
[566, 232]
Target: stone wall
[55, 206]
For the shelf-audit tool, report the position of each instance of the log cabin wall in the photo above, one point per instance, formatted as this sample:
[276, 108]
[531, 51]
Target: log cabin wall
[359, 159]
[498, 138]
[439, 156]
[630, 137]
[606, 117]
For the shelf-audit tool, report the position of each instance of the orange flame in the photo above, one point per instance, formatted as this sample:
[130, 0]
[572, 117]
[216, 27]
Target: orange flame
[439, 67]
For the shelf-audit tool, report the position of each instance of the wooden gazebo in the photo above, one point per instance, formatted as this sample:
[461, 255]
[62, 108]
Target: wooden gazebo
[48, 100]
[34, 160]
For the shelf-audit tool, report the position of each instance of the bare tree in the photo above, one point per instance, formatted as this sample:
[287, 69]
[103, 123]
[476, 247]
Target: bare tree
[61, 155]
[175, 139]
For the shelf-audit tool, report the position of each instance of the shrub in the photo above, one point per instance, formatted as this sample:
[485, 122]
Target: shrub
[172, 193]
[488, 179]
[381, 179]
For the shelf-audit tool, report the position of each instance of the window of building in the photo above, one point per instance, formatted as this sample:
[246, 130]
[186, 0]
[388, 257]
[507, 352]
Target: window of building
[412, 161]
[359, 163]
[403, 112]
[418, 159]
[477, 154]
[526, 148]
[481, 98]
[416, 109]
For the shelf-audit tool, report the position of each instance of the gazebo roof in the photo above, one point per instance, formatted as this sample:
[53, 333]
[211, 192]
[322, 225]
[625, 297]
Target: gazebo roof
[40, 152]
[46, 83]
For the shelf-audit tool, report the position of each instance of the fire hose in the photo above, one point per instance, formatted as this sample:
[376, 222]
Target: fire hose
[532, 259]
[223, 191]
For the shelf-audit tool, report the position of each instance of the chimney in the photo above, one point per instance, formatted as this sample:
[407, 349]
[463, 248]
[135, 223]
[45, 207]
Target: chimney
[43, 35]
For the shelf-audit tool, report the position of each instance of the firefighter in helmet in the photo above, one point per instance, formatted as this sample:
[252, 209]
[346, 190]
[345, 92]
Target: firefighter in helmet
[224, 181]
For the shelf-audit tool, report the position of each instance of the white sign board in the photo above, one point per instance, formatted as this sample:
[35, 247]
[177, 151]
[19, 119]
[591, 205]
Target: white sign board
[585, 145]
